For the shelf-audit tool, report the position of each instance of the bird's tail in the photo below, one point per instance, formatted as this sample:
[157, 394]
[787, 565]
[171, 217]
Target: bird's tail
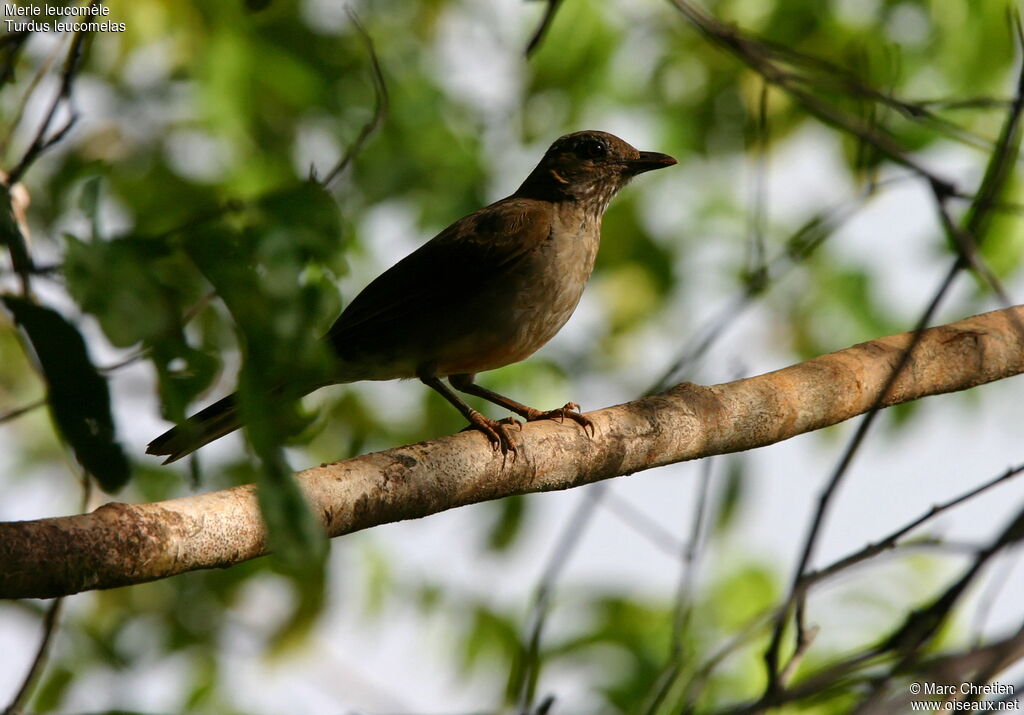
[212, 423]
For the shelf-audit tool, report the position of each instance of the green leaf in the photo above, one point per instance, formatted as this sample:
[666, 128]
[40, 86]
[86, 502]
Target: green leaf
[116, 282]
[77, 394]
[295, 536]
[183, 373]
[256, 272]
[731, 495]
[89, 202]
[51, 694]
[508, 524]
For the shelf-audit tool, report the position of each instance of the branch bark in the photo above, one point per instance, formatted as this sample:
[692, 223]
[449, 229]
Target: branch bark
[121, 544]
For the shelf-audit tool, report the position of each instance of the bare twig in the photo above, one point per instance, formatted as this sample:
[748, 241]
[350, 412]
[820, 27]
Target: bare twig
[968, 249]
[1000, 656]
[26, 96]
[801, 244]
[684, 593]
[993, 589]
[996, 175]
[966, 103]
[44, 139]
[976, 665]
[756, 261]
[691, 554]
[380, 104]
[50, 622]
[642, 524]
[16, 412]
[542, 28]
[761, 57]
[795, 598]
[805, 639]
[902, 649]
[696, 683]
[797, 72]
[142, 353]
[890, 541]
[921, 625]
[528, 668]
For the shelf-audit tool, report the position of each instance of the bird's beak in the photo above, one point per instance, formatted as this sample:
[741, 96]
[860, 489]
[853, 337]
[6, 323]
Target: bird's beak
[649, 161]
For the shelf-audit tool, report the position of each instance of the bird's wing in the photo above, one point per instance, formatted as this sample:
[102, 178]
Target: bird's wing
[451, 267]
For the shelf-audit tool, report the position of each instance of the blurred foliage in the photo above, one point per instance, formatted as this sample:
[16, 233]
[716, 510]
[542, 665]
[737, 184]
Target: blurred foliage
[185, 229]
[76, 394]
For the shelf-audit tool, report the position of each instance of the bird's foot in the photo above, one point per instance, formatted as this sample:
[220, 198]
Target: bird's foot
[570, 410]
[496, 431]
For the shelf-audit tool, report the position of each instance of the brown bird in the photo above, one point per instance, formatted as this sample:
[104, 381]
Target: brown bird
[488, 291]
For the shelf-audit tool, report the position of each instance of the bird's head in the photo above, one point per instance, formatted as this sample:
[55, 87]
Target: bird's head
[590, 167]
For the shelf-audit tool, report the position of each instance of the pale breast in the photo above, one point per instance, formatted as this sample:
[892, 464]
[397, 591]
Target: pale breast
[532, 301]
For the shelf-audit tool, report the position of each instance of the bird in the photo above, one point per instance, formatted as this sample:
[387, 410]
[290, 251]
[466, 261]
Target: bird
[486, 292]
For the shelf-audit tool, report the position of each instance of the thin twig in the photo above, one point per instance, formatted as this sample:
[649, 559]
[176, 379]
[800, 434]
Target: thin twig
[43, 139]
[50, 622]
[987, 600]
[825, 499]
[994, 659]
[542, 28]
[804, 642]
[760, 56]
[996, 175]
[756, 260]
[746, 634]
[16, 412]
[801, 244]
[966, 103]
[777, 63]
[684, 593]
[831, 674]
[142, 353]
[890, 541]
[380, 104]
[572, 534]
[906, 642]
[691, 554]
[15, 120]
[642, 524]
[922, 625]
[967, 246]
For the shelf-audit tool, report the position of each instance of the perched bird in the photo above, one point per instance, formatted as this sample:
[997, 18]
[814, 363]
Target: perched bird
[488, 291]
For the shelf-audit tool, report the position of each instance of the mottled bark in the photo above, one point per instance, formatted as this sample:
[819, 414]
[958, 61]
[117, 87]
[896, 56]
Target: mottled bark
[121, 544]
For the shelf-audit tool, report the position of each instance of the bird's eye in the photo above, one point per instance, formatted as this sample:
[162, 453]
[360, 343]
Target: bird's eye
[590, 148]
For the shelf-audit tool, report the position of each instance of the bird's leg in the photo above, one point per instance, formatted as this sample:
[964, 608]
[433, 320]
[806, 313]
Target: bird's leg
[495, 431]
[464, 383]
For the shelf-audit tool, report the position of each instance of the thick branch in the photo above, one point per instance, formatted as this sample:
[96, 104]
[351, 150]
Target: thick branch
[120, 544]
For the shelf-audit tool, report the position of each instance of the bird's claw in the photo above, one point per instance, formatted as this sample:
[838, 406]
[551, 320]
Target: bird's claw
[511, 421]
[569, 410]
[496, 432]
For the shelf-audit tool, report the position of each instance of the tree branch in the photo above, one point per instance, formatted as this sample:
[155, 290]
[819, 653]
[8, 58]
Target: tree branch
[120, 544]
